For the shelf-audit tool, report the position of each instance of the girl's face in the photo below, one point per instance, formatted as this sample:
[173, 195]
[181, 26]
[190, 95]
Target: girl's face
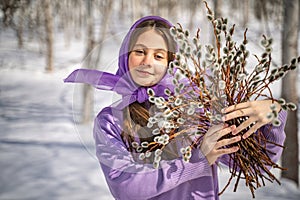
[148, 60]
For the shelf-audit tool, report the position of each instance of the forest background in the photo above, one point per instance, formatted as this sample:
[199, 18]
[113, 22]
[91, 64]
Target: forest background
[46, 137]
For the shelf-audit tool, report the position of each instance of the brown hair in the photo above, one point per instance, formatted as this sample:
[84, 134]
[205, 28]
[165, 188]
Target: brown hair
[136, 115]
[135, 124]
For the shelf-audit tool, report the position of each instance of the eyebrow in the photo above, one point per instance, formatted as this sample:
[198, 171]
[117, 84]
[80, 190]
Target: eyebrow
[145, 47]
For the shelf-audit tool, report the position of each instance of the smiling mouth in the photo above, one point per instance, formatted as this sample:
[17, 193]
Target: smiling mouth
[144, 72]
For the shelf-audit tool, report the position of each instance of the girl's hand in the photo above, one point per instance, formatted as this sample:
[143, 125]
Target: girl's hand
[211, 147]
[256, 111]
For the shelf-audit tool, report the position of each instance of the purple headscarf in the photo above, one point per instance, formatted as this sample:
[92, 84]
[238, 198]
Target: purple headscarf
[121, 82]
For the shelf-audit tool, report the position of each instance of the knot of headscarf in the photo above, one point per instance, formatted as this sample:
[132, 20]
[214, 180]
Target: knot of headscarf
[140, 95]
[106, 81]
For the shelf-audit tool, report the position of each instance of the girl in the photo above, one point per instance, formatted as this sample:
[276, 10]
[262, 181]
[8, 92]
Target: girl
[143, 61]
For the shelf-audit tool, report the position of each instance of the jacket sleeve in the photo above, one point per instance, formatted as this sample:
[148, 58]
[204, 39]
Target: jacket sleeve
[272, 134]
[276, 135]
[128, 179]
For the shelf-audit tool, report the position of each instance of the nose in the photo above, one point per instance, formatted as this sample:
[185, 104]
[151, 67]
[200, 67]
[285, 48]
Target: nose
[148, 59]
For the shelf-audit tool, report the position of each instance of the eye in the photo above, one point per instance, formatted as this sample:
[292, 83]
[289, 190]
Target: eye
[160, 56]
[139, 52]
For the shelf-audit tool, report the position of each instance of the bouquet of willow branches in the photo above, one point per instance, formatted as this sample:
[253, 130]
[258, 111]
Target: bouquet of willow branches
[203, 85]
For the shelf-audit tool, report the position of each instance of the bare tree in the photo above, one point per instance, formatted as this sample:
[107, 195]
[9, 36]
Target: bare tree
[106, 10]
[20, 24]
[79, 18]
[245, 10]
[8, 7]
[218, 13]
[263, 14]
[87, 90]
[193, 7]
[49, 33]
[154, 5]
[136, 9]
[91, 62]
[38, 24]
[266, 11]
[218, 8]
[289, 88]
[172, 9]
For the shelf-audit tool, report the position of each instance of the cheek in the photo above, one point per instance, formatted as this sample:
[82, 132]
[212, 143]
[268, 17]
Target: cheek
[161, 70]
[133, 62]
[161, 67]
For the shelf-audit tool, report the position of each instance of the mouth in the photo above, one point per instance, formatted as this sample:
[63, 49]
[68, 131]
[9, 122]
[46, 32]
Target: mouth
[143, 72]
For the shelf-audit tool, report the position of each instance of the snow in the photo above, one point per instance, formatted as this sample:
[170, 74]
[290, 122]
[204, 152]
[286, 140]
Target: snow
[44, 153]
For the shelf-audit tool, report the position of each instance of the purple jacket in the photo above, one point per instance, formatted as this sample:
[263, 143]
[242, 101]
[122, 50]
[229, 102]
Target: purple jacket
[129, 180]
[175, 179]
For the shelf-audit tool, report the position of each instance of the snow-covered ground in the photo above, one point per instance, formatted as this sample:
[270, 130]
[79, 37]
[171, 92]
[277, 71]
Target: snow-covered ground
[44, 154]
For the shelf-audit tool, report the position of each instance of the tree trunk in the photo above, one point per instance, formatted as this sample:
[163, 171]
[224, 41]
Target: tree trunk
[154, 7]
[104, 26]
[173, 10]
[218, 8]
[245, 9]
[193, 9]
[136, 9]
[265, 16]
[87, 106]
[289, 88]
[8, 8]
[20, 24]
[92, 62]
[218, 14]
[49, 34]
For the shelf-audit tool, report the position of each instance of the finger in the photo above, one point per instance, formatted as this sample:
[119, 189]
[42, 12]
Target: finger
[230, 150]
[243, 125]
[215, 128]
[236, 107]
[237, 113]
[226, 142]
[226, 131]
[252, 130]
[213, 138]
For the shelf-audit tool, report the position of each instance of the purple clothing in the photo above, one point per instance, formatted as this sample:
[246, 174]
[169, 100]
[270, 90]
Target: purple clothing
[175, 179]
[121, 82]
[129, 180]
